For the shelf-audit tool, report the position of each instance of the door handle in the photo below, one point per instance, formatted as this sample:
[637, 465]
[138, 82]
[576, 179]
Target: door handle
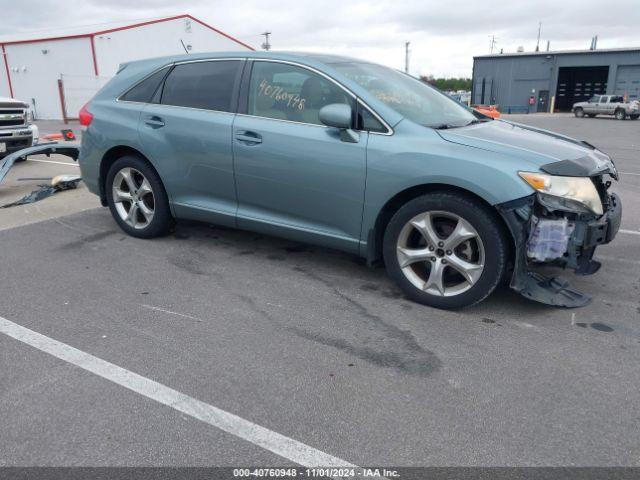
[154, 121]
[248, 138]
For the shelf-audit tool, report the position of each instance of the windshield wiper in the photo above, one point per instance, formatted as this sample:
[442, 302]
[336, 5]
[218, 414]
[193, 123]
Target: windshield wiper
[478, 120]
[442, 126]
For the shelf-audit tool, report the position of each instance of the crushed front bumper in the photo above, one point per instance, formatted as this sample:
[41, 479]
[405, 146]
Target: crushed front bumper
[561, 239]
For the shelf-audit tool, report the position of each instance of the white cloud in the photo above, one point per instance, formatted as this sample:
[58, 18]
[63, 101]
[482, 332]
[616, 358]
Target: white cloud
[444, 36]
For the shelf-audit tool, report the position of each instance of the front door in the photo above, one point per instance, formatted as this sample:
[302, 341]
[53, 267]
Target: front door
[296, 177]
[187, 133]
[543, 101]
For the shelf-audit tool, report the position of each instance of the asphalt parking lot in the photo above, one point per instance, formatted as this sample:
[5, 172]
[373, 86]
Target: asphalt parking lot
[305, 342]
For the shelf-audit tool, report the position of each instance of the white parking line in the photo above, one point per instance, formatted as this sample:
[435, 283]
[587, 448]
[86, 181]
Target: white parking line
[263, 437]
[631, 232]
[629, 173]
[52, 161]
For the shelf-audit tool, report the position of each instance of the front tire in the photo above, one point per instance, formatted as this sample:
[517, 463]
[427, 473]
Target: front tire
[578, 112]
[137, 199]
[445, 250]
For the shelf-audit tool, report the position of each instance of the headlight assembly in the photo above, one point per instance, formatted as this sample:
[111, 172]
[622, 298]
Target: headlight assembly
[576, 194]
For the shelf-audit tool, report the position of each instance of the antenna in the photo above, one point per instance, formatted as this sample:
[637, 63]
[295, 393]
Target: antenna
[538, 42]
[492, 42]
[266, 45]
[186, 50]
[406, 56]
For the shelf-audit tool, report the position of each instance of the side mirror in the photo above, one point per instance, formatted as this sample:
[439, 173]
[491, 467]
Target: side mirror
[338, 115]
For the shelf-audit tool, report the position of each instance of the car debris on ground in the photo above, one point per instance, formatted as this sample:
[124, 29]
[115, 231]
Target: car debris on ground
[58, 184]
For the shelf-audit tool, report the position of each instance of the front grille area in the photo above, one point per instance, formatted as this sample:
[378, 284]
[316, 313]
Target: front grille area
[12, 117]
[24, 143]
[10, 123]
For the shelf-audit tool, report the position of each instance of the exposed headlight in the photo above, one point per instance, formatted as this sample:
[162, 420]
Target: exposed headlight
[577, 194]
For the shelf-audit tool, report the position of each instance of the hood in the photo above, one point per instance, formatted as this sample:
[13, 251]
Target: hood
[12, 102]
[552, 153]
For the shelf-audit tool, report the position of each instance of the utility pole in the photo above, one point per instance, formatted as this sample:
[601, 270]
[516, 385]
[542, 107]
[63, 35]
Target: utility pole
[406, 56]
[492, 42]
[538, 42]
[266, 45]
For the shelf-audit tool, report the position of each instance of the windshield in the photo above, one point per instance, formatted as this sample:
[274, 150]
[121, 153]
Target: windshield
[408, 96]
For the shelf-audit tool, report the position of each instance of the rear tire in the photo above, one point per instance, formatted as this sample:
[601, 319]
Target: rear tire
[137, 199]
[445, 250]
[620, 114]
[579, 112]
[634, 117]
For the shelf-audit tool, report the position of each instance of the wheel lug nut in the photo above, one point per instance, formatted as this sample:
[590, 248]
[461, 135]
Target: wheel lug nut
[441, 244]
[448, 252]
[431, 248]
[433, 259]
[444, 260]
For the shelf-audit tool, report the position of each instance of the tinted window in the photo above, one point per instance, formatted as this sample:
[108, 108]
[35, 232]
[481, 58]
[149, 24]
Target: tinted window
[366, 121]
[143, 91]
[287, 92]
[205, 85]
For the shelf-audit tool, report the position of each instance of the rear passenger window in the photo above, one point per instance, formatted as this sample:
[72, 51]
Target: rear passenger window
[143, 91]
[204, 85]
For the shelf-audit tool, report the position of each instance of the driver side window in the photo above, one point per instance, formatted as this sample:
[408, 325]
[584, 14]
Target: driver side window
[288, 92]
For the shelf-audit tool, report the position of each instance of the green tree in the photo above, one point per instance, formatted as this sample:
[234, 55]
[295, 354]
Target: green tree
[448, 83]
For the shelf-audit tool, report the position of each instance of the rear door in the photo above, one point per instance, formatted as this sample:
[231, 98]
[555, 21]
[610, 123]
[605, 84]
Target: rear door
[186, 132]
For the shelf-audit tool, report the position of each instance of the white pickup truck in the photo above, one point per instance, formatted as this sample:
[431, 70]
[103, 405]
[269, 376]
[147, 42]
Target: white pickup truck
[16, 130]
[607, 105]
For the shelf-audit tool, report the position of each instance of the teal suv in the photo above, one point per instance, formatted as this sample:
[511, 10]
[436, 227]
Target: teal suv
[354, 156]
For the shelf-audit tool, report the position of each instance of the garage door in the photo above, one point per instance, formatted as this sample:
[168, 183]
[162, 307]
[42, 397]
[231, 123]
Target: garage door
[628, 81]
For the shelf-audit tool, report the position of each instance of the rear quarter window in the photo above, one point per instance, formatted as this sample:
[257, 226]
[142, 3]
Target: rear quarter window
[143, 91]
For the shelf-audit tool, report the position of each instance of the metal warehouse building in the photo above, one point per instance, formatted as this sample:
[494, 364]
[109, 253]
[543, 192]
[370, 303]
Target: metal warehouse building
[528, 81]
[57, 72]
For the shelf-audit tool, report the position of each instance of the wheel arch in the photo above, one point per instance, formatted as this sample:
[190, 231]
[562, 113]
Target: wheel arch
[376, 234]
[108, 159]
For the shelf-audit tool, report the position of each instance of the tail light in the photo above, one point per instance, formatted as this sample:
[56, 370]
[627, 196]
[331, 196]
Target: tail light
[85, 116]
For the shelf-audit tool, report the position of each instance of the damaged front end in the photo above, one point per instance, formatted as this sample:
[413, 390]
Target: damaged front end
[551, 230]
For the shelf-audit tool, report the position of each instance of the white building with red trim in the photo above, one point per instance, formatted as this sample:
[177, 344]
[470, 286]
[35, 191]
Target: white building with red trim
[56, 72]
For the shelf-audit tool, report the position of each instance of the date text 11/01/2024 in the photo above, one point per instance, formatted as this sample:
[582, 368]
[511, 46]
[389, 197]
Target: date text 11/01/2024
[319, 472]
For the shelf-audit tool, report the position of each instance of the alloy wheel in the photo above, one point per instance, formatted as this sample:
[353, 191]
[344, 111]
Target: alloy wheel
[440, 253]
[133, 198]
